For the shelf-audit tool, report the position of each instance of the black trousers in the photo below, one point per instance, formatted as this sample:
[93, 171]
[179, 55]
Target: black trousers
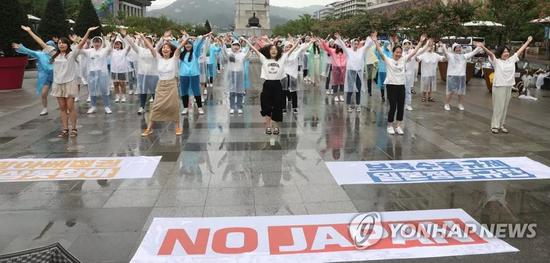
[396, 96]
[185, 100]
[291, 96]
[327, 83]
[272, 100]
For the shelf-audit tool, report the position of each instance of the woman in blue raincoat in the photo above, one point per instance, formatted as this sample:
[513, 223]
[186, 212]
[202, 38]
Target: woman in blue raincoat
[382, 68]
[45, 72]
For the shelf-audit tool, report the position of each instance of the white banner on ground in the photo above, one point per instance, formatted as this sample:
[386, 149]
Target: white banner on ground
[93, 168]
[432, 171]
[312, 238]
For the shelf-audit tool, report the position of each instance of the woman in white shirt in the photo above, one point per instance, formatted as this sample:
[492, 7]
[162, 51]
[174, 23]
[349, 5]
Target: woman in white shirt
[273, 71]
[120, 67]
[428, 80]
[166, 104]
[505, 69]
[147, 72]
[395, 82]
[456, 73]
[98, 73]
[65, 77]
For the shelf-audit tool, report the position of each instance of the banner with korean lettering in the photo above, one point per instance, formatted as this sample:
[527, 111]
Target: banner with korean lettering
[443, 170]
[93, 168]
[314, 238]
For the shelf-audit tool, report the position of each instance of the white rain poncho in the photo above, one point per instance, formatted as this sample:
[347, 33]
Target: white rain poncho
[203, 60]
[120, 64]
[97, 74]
[355, 65]
[429, 62]
[146, 69]
[234, 76]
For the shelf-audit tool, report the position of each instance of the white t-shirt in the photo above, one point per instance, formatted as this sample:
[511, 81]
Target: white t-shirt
[429, 62]
[457, 62]
[273, 69]
[395, 74]
[505, 71]
[97, 58]
[65, 67]
[168, 68]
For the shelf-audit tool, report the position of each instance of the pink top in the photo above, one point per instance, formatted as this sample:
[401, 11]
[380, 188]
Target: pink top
[338, 60]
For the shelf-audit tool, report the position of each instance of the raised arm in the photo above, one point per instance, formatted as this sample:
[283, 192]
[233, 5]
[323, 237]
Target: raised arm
[418, 47]
[19, 48]
[86, 36]
[379, 48]
[252, 47]
[525, 45]
[131, 43]
[36, 38]
[149, 45]
[489, 53]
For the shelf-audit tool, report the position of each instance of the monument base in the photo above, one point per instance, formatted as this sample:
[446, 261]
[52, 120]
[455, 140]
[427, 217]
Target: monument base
[253, 31]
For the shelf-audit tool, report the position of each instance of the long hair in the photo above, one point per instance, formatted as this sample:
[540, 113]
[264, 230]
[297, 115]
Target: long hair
[172, 49]
[265, 51]
[63, 40]
[316, 49]
[184, 52]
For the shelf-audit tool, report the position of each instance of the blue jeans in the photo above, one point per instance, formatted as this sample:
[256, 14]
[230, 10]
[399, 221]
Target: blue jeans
[238, 104]
[106, 100]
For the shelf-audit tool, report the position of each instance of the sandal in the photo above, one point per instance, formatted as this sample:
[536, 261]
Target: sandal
[268, 131]
[494, 130]
[430, 99]
[63, 134]
[276, 131]
[73, 133]
[423, 99]
[146, 133]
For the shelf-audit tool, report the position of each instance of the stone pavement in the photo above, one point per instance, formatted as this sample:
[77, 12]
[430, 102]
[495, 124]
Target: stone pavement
[225, 166]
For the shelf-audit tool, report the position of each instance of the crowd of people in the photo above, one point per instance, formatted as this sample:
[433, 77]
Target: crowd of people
[166, 70]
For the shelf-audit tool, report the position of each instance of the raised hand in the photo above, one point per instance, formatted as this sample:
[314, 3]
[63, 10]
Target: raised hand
[15, 45]
[337, 35]
[423, 37]
[93, 28]
[123, 32]
[72, 38]
[26, 28]
[529, 39]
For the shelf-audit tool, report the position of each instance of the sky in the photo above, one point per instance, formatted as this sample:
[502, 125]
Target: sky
[290, 3]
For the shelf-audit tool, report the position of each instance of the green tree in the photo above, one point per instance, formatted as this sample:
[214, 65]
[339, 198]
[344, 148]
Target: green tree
[87, 18]
[53, 22]
[12, 16]
[207, 26]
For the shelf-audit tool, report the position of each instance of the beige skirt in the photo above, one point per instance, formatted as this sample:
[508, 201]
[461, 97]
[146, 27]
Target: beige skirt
[65, 90]
[166, 105]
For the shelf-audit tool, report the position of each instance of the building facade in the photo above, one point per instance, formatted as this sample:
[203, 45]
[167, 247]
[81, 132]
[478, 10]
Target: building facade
[356, 7]
[252, 17]
[127, 7]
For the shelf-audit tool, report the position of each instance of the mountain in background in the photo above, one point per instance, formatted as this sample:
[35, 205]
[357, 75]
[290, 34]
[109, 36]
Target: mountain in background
[222, 12]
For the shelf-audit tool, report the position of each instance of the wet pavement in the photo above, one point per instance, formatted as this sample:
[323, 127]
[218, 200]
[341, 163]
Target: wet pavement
[226, 166]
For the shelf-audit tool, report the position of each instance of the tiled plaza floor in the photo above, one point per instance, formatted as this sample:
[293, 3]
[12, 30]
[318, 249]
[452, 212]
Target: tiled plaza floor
[225, 166]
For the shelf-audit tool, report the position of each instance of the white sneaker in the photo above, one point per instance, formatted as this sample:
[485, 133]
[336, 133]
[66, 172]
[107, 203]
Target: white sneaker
[151, 100]
[399, 130]
[92, 110]
[89, 99]
[240, 111]
[341, 97]
[131, 92]
[461, 107]
[203, 99]
[328, 92]
[117, 99]
[358, 108]
[205, 90]
[141, 110]
[447, 107]
[184, 111]
[336, 99]
[295, 111]
[44, 112]
[201, 111]
[331, 91]
[391, 130]
[409, 108]
[108, 110]
[76, 99]
[350, 109]
[123, 100]
[231, 111]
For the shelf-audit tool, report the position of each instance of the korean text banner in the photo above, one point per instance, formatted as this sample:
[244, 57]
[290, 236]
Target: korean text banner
[307, 238]
[431, 171]
[93, 168]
